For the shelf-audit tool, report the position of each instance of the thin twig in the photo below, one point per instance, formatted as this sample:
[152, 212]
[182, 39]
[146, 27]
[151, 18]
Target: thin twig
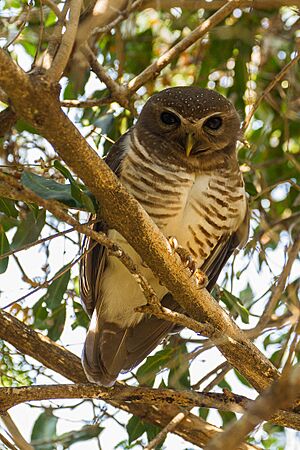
[7, 45]
[63, 54]
[47, 283]
[161, 312]
[38, 48]
[155, 68]
[90, 103]
[292, 252]
[53, 7]
[209, 374]
[15, 433]
[55, 38]
[170, 427]
[118, 92]
[32, 244]
[122, 16]
[7, 442]
[270, 86]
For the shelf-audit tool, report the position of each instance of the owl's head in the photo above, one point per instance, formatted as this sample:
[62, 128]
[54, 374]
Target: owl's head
[196, 121]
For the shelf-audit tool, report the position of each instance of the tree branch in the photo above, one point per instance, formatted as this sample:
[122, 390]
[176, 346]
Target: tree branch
[118, 92]
[281, 394]
[129, 395]
[63, 54]
[15, 433]
[268, 89]
[36, 103]
[153, 70]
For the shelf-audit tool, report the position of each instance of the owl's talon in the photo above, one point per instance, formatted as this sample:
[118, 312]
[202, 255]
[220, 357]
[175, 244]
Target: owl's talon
[187, 260]
[200, 279]
[173, 244]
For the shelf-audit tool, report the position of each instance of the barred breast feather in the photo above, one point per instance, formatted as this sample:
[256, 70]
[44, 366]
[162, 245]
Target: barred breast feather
[197, 209]
[203, 209]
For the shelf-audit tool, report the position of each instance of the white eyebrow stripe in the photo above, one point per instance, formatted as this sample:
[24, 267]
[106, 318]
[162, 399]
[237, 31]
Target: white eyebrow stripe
[184, 120]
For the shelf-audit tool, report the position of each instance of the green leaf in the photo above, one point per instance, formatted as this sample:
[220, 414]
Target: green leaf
[50, 310]
[51, 190]
[21, 125]
[227, 417]
[4, 247]
[44, 429]
[146, 374]
[203, 413]
[55, 322]
[8, 222]
[234, 305]
[8, 207]
[84, 434]
[105, 123]
[135, 428]
[57, 288]
[63, 170]
[242, 379]
[152, 431]
[29, 229]
[179, 375]
[82, 318]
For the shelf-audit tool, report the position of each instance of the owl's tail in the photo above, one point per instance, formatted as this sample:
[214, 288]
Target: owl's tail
[110, 349]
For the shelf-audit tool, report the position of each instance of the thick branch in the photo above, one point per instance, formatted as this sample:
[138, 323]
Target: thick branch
[130, 395]
[38, 105]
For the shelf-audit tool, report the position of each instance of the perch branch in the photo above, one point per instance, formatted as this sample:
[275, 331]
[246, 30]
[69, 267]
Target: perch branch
[130, 395]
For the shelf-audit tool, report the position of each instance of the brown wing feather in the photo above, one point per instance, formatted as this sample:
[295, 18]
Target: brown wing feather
[93, 264]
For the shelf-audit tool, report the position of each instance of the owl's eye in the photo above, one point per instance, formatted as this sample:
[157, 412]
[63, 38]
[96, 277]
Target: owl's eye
[169, 118]
[213, 123]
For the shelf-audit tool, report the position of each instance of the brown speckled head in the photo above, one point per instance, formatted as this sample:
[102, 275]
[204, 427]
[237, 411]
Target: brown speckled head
[190, 120]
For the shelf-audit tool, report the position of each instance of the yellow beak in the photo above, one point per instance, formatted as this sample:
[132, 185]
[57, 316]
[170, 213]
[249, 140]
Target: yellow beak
[190, 141]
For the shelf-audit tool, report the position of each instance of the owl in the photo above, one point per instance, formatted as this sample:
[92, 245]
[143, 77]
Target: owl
[179, 161]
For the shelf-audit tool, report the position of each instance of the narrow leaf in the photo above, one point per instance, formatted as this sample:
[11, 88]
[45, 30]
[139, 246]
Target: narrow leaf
[44, 429]
[4, 247]
[29, 229]
[8, 207]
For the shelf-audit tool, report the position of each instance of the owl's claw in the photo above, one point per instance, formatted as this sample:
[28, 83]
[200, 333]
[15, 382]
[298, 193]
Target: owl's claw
[200, 279]
[188, 262]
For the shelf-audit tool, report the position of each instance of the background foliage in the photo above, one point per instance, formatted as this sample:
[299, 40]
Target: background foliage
[239, 58]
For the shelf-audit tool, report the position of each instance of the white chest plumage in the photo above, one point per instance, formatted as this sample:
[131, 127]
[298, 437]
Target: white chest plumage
[197, 209]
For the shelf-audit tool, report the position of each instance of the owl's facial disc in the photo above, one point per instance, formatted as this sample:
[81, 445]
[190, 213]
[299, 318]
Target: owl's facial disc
[190, 120]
